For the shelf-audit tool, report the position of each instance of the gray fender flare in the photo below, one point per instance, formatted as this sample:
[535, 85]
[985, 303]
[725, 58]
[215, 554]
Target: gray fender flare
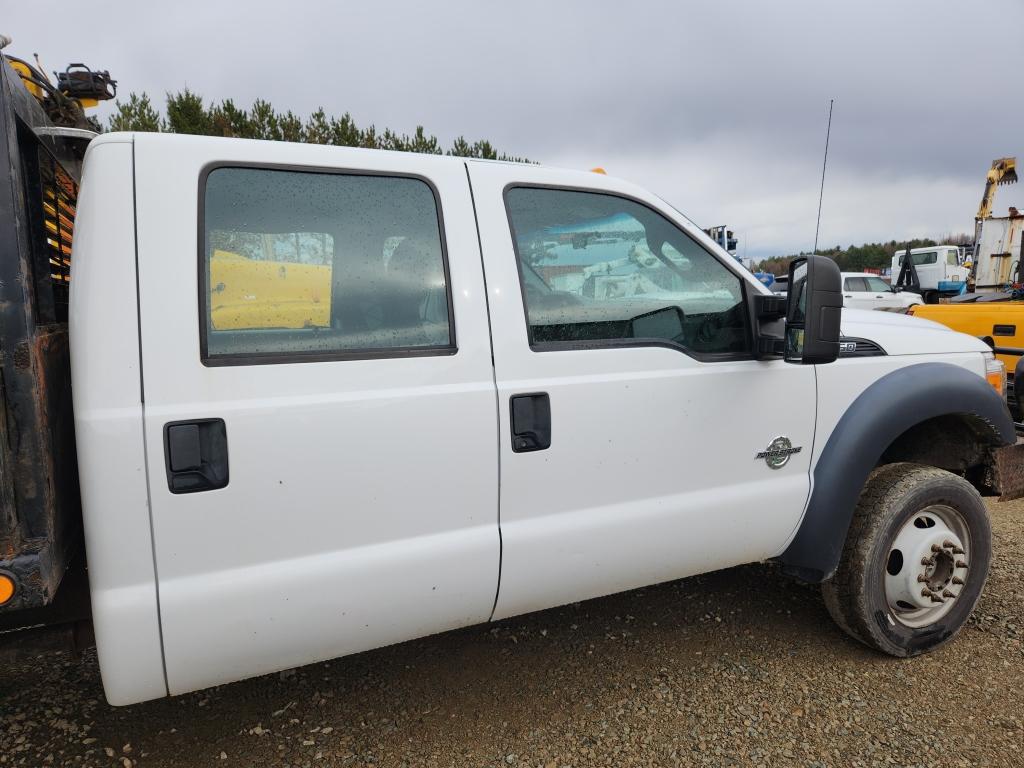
[881, 413]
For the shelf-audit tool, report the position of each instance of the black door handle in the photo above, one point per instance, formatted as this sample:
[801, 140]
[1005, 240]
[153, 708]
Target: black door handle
[196, 455]
[531, 422]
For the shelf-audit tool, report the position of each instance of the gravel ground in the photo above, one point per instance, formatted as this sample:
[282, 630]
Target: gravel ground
[741, 667]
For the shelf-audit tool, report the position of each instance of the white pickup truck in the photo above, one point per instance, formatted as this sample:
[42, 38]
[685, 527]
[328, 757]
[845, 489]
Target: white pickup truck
[328, 399]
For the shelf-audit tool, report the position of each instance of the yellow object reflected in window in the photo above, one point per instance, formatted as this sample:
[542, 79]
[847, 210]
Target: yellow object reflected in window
[250, 294]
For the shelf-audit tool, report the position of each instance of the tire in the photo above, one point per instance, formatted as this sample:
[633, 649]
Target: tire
[877, 595]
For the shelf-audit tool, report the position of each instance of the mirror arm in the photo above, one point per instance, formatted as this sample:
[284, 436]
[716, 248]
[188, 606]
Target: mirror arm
[768, 310]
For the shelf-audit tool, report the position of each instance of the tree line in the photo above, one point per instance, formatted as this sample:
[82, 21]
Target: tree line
[187, 112]
[857, 258]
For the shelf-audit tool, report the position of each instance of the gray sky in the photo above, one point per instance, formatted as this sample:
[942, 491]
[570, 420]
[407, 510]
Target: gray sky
[719, 107]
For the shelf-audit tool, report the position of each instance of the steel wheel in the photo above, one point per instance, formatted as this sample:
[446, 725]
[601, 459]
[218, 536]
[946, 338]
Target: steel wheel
[915, 560]
[927, 566]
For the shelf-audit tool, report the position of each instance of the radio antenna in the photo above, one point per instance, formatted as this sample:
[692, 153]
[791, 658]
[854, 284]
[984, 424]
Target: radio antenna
[824, 164]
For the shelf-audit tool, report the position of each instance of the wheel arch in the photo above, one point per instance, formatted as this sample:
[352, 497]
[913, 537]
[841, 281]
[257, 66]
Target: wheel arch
[936, 414]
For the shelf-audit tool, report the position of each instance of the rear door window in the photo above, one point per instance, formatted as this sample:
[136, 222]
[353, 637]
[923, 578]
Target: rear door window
[299, 265]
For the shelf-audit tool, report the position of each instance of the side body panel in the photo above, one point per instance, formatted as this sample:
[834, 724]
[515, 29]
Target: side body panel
[866, 404]
[652, 472]
[106, 380]
[362, 503]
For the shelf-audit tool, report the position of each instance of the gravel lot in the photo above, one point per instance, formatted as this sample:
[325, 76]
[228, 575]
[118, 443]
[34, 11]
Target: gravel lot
[741, 667]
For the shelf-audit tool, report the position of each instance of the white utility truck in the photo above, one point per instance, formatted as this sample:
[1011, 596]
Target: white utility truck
[936, 273]
[327, 399]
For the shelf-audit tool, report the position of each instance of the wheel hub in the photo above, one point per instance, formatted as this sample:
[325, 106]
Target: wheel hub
[928, 566]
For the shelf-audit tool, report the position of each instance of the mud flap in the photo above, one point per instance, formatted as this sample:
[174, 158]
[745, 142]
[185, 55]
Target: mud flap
[1009, 472]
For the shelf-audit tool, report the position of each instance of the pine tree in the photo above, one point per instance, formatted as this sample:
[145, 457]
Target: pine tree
[137, 115]
[263, 121]
[229, 120]
[186, 114]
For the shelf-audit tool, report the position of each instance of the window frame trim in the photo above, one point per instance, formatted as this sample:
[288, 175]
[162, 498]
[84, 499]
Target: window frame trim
[563, 346]
[284, 358]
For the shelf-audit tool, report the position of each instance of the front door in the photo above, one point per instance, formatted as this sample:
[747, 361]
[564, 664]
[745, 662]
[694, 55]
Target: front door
[882, 292]
[639, 440]
[319, 403]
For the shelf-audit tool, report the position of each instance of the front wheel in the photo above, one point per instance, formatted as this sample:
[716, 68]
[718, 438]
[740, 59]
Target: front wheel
[915, 560]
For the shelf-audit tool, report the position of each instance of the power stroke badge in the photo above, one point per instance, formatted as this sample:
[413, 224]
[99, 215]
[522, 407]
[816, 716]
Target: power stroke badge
[777, 454]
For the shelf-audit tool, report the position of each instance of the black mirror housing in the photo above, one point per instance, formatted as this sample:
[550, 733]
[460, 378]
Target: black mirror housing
[813, 311]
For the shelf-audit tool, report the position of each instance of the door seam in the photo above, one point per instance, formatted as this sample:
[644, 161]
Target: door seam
[494, 378]
[145, 444]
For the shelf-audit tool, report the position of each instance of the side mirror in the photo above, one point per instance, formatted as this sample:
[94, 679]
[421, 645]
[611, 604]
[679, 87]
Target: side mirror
[813, 310]
[665, 323]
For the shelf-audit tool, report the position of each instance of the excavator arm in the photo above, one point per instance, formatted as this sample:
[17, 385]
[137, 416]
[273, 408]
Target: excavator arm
[1003, 171]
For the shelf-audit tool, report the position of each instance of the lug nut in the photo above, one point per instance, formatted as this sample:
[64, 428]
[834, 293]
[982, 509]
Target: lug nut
[957, 551]
[936, 548]
[947, 593]
[957, 580]
[922, 578]
[927, 561]
[948, 544]
[961, 564]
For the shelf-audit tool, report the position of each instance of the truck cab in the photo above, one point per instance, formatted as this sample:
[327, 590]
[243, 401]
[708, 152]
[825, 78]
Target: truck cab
[328, 399]
[938, 268]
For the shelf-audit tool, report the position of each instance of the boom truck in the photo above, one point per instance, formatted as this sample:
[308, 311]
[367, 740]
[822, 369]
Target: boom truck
[301, 381]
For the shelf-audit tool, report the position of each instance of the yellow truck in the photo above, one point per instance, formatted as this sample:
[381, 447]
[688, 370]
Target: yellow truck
[999, 322]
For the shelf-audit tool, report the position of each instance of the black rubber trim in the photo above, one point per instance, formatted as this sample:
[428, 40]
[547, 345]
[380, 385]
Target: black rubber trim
[881, 413]
[1016, 351]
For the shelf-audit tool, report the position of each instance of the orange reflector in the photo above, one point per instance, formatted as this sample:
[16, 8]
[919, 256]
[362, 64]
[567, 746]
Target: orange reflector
[998, 381]
[599, 169]
[6, 588]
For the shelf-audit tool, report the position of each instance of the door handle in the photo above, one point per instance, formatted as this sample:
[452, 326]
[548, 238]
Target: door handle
[196, 455]
[531, 422]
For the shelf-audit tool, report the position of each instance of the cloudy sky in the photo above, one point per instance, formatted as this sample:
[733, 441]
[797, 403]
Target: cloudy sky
[719, 107]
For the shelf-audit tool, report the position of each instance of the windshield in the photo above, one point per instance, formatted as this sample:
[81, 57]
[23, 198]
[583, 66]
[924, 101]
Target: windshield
[921, 258]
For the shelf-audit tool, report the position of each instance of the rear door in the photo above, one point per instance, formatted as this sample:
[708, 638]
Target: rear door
[640, 442]
[319, 402]
[856, 294]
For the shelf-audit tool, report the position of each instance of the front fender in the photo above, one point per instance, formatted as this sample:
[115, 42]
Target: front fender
[880, 414]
